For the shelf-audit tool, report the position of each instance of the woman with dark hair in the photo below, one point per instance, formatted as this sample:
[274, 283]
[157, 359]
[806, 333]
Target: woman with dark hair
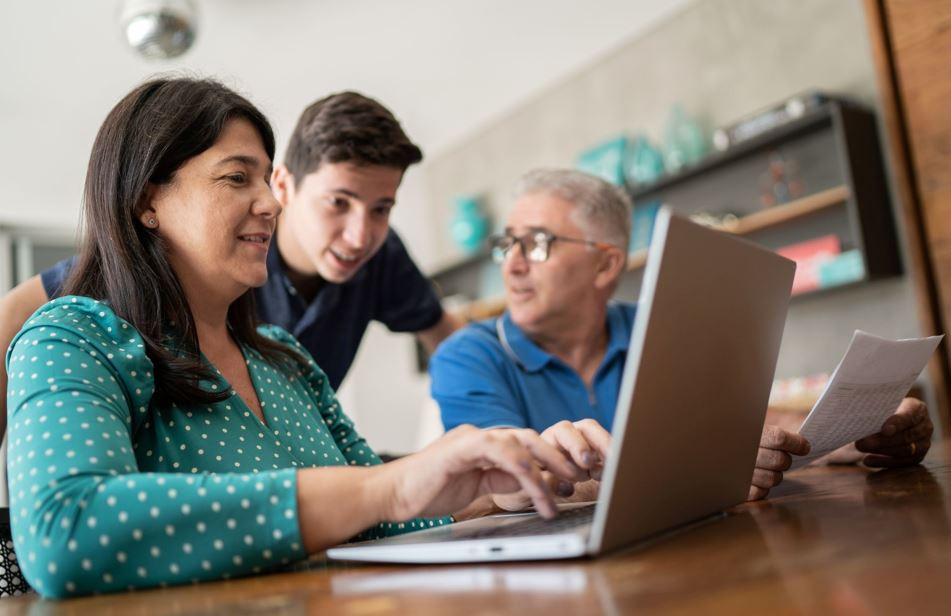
[157, 434]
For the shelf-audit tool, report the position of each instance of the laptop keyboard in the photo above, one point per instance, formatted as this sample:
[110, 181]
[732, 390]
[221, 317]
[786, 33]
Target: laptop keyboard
[536, 525]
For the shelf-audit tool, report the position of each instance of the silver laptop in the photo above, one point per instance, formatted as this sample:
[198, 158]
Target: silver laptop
[689, 415]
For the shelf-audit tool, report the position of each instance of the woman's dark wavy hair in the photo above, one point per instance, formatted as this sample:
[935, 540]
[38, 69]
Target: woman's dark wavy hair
[143, 141]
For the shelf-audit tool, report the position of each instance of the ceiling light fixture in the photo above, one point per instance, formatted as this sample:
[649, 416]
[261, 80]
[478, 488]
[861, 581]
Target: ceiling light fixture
[159, 29]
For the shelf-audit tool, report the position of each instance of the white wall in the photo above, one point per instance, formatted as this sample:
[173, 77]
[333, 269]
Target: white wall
[444, 67]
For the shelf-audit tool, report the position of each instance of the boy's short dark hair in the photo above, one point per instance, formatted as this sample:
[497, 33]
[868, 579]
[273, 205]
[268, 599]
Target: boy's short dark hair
[348, 127]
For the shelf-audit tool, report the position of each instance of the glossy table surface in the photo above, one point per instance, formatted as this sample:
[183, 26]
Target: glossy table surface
[829, 540]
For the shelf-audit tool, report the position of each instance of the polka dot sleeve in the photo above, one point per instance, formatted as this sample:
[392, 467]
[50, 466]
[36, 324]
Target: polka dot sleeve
[354, 447]
[84, 518]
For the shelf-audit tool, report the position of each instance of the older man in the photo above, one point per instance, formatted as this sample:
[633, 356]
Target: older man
[558, 352]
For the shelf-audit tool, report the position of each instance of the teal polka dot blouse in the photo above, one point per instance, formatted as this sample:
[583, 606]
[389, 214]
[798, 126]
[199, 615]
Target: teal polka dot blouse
[110, 492]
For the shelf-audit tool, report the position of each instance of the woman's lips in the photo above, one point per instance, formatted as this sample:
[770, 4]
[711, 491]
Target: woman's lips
[257, 240]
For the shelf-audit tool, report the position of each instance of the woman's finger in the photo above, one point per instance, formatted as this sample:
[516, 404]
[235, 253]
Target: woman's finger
[507, 454]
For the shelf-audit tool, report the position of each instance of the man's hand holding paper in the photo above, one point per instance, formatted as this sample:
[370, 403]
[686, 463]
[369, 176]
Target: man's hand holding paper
[904, 439]
[865, 390]
[857, 409]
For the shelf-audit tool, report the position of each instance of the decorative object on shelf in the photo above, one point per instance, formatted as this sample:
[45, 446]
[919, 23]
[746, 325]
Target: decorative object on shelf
[842, 269]
[159, 29]
[491, 283]
[810, 257]
[717, 221]
[762, 121]
[684, 143]
[642, 225]
[469, 225]
[643, 162]
[605, 160]
[780, 182]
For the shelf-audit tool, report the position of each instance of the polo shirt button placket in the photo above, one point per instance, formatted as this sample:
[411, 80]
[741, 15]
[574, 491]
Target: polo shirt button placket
[592, 398]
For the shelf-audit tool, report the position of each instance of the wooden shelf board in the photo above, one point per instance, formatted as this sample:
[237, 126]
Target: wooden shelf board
[479, 309]
[768, 218]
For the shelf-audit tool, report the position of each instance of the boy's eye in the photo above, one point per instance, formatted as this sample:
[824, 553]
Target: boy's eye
[338, 202]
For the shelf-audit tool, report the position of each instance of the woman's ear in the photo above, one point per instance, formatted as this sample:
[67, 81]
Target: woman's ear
[282, 184]
[148, 216]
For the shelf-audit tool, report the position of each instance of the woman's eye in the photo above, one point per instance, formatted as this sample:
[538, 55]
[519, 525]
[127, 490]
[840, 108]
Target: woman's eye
[236, 178]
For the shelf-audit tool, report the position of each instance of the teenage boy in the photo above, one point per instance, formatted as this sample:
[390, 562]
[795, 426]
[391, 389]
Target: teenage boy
[334, 264]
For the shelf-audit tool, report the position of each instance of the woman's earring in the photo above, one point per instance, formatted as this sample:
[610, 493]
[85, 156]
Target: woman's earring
[152, 222]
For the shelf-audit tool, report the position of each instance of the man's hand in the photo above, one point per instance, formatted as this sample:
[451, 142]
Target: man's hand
[904, 440]
[774, 456]
[586, 444]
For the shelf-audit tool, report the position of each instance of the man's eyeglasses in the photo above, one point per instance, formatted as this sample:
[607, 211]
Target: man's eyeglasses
[536, 245]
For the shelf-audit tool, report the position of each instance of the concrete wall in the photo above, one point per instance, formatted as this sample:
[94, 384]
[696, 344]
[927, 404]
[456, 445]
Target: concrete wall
[721, 59]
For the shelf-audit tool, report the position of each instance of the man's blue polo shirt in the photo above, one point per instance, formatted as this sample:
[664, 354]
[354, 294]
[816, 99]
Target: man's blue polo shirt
[389, 288]
[490, 374]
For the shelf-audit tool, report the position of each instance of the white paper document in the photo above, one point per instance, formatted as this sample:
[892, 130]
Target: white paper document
[865, 389]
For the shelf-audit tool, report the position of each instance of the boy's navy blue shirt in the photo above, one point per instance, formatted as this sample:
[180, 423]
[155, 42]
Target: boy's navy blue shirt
[389, 288]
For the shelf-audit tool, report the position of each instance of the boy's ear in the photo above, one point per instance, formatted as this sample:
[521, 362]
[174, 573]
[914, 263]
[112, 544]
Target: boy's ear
[282, 184]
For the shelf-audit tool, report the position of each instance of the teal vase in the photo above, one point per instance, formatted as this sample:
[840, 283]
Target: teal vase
[684, 143]
[644, 162]
[469, 224]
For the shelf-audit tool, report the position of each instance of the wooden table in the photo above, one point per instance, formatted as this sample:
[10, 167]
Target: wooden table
[828, 540]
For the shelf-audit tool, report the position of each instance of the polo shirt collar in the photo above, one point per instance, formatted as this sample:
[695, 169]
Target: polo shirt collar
[619, 333]
[533, 358]
[520, 347]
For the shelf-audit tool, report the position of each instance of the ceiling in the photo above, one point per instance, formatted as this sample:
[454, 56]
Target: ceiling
[445, 67]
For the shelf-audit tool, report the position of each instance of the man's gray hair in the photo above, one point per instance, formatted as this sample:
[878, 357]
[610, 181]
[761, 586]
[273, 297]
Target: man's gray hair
[602, 209]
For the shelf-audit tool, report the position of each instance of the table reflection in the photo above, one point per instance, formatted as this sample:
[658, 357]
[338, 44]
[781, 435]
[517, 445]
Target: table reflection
[558, 580]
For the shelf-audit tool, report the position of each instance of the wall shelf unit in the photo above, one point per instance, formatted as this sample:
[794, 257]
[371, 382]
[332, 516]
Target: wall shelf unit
[818, 180]
[812, 187]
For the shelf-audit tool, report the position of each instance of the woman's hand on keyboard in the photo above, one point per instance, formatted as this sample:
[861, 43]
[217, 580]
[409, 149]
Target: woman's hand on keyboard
[466, 463]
